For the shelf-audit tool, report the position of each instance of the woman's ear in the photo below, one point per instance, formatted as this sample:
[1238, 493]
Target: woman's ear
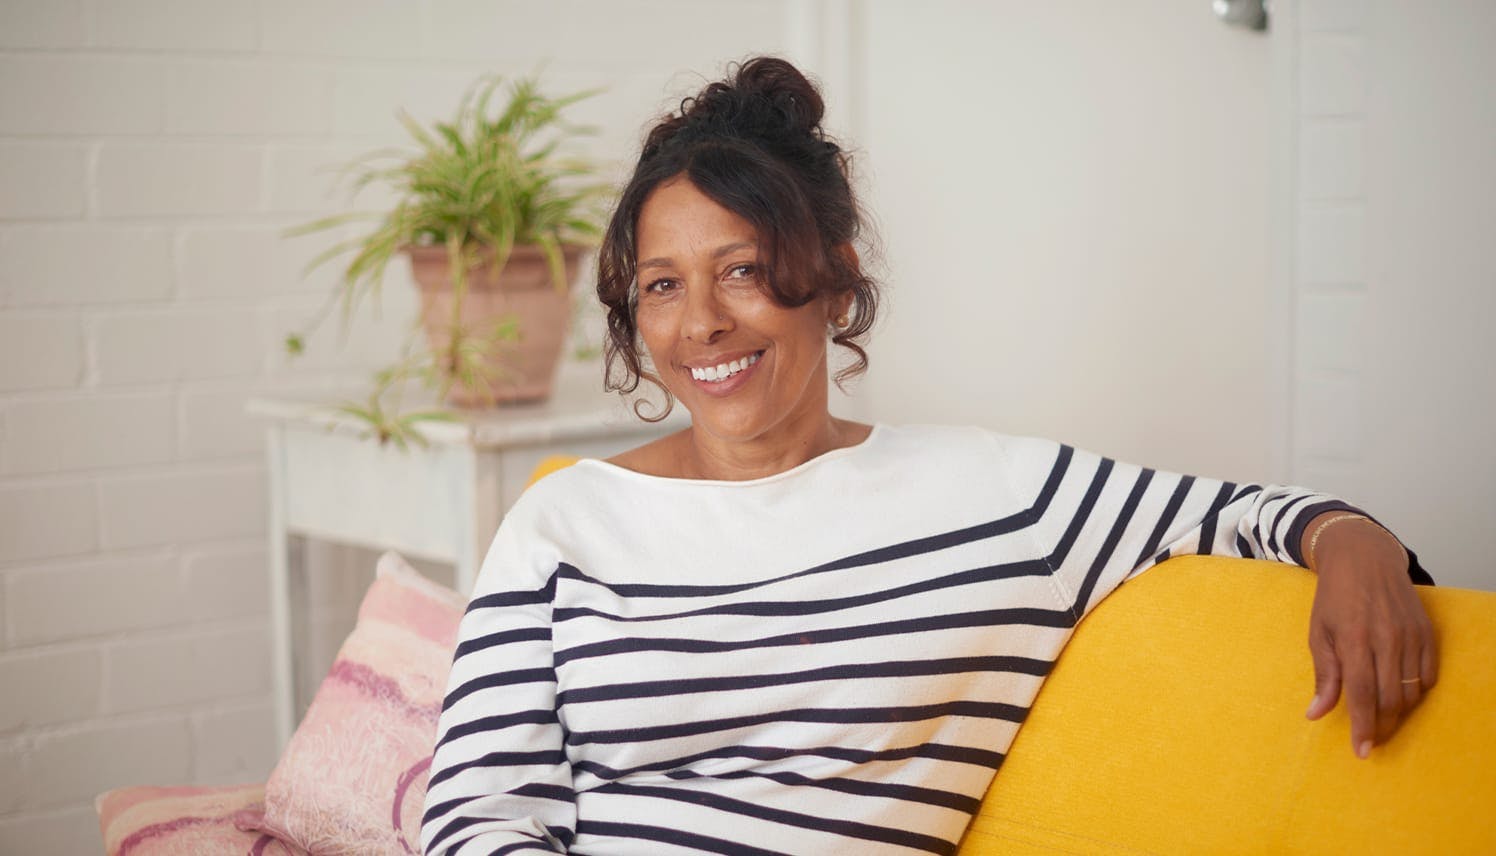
[838, 308]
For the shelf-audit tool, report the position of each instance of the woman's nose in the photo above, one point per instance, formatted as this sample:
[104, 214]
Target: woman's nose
[706, 318]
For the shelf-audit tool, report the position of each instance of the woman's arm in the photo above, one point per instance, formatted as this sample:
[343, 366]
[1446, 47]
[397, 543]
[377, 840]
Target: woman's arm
[1101, 521]
[500, 779]
[1368, 632]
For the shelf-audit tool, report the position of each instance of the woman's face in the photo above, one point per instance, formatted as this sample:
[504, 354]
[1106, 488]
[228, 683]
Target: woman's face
[744, 366]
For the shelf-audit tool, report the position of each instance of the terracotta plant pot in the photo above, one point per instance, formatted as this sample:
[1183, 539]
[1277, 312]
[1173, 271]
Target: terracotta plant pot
[521, 371]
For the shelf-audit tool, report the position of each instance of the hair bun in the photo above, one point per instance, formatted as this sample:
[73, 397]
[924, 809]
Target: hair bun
[793, 97]
[766, 100]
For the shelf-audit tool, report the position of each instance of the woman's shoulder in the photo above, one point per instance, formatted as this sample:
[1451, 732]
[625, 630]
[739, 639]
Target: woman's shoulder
[960, 439]
[968, 452]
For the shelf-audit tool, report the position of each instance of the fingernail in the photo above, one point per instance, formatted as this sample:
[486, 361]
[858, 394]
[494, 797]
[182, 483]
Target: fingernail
[1364, 750]
[1313, 703]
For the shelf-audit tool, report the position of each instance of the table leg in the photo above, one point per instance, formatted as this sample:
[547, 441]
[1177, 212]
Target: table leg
[282, 675]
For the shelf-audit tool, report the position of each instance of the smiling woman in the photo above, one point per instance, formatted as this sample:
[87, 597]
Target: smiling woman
[751, 370]
[730, 258]
[780, 632]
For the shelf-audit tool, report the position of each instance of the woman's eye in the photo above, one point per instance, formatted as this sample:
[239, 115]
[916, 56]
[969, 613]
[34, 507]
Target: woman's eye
[660, 286]
[743, 271]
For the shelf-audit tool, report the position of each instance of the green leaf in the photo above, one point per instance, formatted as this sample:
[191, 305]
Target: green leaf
[489, 178]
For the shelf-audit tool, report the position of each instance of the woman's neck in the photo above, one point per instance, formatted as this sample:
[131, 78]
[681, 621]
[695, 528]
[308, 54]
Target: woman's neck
[703, 456]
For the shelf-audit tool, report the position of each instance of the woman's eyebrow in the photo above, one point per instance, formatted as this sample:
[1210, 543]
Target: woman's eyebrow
[725, 249]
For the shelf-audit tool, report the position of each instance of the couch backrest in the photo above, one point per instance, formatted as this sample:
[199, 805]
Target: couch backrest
[1174, 723]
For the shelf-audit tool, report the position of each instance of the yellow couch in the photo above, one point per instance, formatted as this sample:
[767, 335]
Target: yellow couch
[1174, 723]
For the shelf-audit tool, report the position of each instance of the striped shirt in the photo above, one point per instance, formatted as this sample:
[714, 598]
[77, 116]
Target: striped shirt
[833, 659]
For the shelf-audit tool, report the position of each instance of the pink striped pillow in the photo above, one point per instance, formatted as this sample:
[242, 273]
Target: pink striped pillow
[353, 778]
[187, 821]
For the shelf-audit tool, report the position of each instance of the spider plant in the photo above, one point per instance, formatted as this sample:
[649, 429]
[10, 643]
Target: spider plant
[493, 177]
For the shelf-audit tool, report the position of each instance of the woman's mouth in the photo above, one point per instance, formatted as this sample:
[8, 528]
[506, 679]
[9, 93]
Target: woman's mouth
[722, 371]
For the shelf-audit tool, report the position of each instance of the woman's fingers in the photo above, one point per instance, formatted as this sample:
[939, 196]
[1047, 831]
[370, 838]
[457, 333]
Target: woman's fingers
[1411, 681]
[1326, 674]
[1388, 658]
[1429, 656]
[1360, 696]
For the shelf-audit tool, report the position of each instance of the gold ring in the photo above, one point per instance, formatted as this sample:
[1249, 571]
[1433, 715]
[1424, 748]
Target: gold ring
[1412, 680]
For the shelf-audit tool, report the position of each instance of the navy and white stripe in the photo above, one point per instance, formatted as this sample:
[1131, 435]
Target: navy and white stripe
[830, 660]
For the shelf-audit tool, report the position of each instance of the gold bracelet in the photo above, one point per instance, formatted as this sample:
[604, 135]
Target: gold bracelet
[1314, 539]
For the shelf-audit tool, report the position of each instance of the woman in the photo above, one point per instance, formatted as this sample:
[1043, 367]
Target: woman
[782, 632]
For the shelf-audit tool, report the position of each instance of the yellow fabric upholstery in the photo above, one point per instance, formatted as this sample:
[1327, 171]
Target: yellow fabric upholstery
[1174, 723]
[550, 465]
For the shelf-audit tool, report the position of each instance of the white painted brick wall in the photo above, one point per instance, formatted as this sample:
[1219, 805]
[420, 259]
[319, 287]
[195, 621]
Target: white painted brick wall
[66, 94]
[212, 424]
[175, 179]
[39, 520]
[226, 582]
[224, 26]
[40, 350]
[69, 830]
[49, 435]
[41, 23]
[1328, 399]
[249, 98]
[233, 745]
[1332, 79]
[1332, 244]
[1333, 325]
[305, 180]
[371, 341]
[151, 154]
[12, 776]
[367, 99]
[71, 765]
[42, 181]
[178, 344]
[177, 507]
[480, 29]
[71, 265]
[1328, 16]
[382, 29]
[227, 261]
[47, 687]
[105, 597]
[222, 661]
[1331, 160]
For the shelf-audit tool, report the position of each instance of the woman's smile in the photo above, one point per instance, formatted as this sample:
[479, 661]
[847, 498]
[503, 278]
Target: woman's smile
[726, 376]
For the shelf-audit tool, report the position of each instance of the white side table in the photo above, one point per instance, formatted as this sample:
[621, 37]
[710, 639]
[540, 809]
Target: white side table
[441, 502]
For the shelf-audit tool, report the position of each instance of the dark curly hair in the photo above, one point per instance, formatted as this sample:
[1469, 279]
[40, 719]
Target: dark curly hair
[753, 143]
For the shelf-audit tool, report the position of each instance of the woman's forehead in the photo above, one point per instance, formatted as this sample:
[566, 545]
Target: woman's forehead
[678, 217]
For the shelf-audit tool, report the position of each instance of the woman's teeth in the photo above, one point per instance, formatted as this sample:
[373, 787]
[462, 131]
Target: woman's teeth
[723, 371]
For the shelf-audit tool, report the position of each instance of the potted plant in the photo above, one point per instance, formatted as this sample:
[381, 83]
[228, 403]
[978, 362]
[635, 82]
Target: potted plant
[493, 217]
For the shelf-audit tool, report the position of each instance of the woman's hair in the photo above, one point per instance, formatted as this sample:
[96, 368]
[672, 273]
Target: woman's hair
[753, 143]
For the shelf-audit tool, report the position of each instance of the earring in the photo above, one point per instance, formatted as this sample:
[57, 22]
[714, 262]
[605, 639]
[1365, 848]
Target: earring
[842, 321]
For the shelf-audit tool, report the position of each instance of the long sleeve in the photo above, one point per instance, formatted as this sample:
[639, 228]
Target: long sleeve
[500, 779]
[1101, 521]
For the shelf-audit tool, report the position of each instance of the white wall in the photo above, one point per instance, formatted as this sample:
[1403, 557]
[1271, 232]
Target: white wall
[1257, 256]
[150, 153]
[1074, 203]
[1395, 274]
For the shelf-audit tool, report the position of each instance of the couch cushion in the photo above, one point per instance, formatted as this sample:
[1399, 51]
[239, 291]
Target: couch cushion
[353, 777]
[1174, 723]
[186, 821]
